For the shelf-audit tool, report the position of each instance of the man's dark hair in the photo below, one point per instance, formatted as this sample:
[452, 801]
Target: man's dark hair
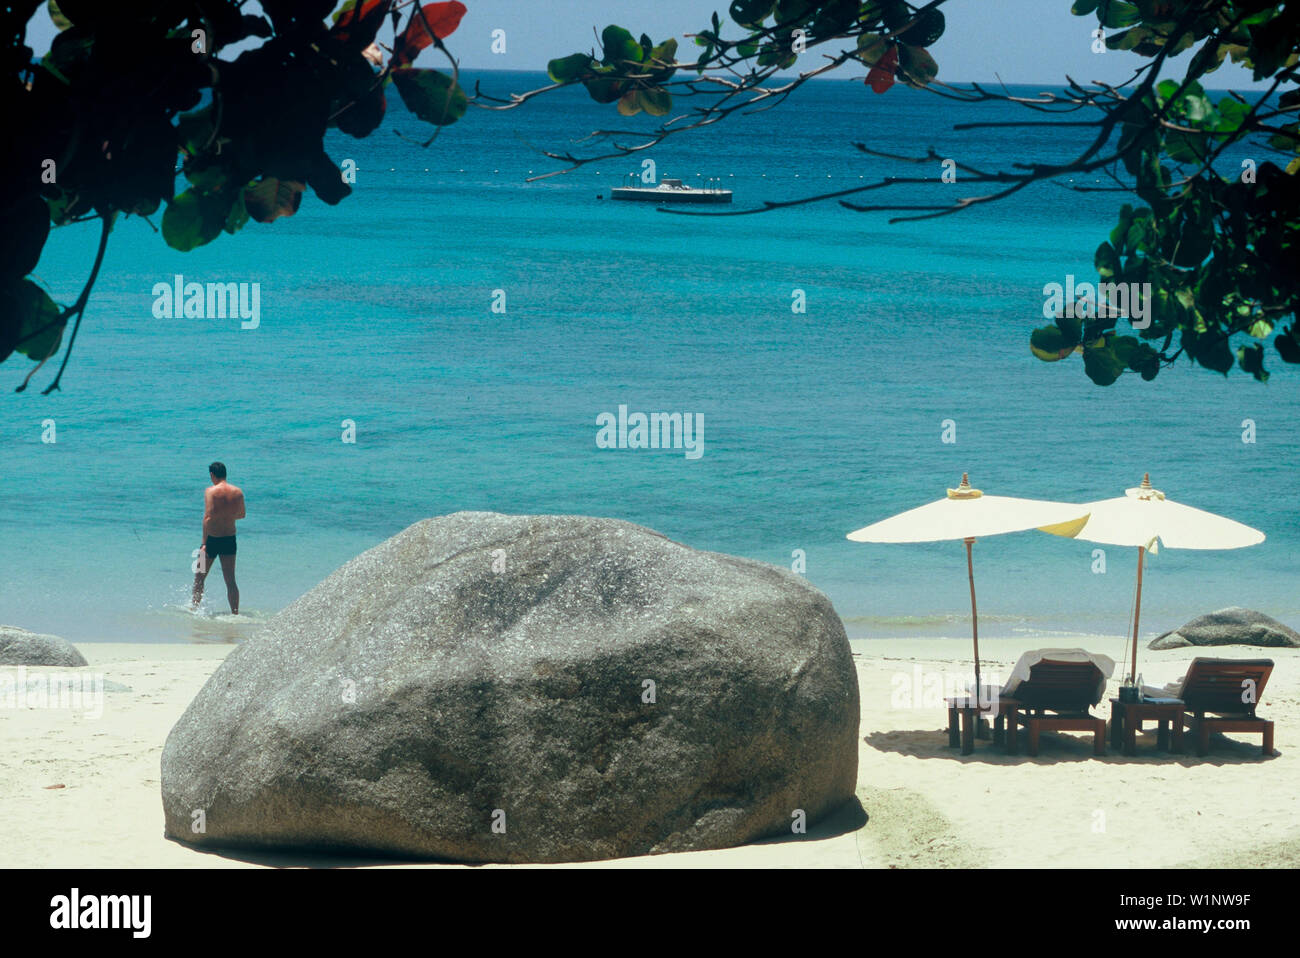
[218, 469]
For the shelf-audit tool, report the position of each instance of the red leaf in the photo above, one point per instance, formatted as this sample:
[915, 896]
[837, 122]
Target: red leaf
[365, 19]
[443, 19]
[270, 198]
[881, 77]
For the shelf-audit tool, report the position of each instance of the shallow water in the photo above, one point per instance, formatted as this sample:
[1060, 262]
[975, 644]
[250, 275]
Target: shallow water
[378, 311]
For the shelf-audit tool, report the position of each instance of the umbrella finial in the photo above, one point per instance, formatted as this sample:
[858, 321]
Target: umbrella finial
[964, 490]
[1145, 491]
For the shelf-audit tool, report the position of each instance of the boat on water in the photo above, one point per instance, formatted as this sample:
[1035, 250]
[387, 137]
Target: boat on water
[672, 191]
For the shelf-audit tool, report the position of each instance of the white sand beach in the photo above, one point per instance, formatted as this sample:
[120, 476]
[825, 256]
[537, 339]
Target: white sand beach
[81, 791]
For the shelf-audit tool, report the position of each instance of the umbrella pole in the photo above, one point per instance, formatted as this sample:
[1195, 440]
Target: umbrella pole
[1137, 613]
[974, 617]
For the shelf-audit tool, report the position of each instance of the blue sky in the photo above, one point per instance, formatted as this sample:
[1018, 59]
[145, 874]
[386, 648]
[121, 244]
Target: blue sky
[1022, 41]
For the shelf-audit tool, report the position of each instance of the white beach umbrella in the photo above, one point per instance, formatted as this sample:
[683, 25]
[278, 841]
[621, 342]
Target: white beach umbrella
[1144, 518]
[968, 514]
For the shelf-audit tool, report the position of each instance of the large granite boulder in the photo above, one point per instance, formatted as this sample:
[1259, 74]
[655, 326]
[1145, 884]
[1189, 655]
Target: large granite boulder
[484, 687]
[20, 647]
[1232, 626]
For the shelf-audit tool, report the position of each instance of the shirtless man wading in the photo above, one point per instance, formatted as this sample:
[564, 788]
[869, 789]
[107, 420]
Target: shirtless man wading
[222, 505]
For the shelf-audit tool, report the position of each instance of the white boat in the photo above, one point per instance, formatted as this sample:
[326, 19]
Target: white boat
[672, 191]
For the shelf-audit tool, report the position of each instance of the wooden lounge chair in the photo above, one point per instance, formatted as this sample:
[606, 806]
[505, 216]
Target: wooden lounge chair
[968, 712]
[1068, 690]
[1218, 687]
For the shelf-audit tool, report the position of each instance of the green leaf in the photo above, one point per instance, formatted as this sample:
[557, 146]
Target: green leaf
[1136, 139]
[872, 47]
[629, 104]
[1138, 230]
[1213, 352]
[1128, 39]
[566, 69]
[194, 219]
[1119, 234]
[1207, 59]
[655, 102]
[775, 54]
[1251, 360]
[1101, 364]
[59, 206]
[666, 52]
[1190, 239]
[926, 28]
[61, 22]
[619, 46]
[605, 89]
[1238, 53]
[1279, 141]
[895, 14]
[1273, 42]
[194, 130]
[432, 96]
[1082, 8]
[659, 62]
[70, 52]
[1049, 344]
[1288, 344]
[210, 179]
[1116, 13]
[1106, 260]
[1231, 114]
[1142, 359]
[917, 65]
[789, 13]
[1197, 108]
[28, 310]
[238, 214]
[1126, 348]
[27, 226]
[704, 58]
[1071, 328]
[750, 13]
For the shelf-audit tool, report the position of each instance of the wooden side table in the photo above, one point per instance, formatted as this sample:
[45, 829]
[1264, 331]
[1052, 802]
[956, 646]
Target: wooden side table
[966, 712]
[1126, 720]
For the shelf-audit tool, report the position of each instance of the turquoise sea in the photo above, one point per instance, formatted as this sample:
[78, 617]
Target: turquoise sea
[379, 311]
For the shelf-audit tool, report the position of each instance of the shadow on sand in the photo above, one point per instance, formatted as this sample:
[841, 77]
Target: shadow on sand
[1057, 747]
[849, 817]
